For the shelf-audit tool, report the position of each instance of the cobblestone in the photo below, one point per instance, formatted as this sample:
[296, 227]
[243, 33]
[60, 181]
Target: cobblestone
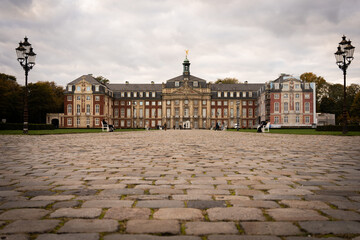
[184, 185]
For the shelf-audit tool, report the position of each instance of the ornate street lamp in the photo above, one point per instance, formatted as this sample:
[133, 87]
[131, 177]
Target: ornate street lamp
[344, 56]
[26, 58]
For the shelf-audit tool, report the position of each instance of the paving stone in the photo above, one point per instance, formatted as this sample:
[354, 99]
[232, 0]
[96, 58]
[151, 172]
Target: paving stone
[314, 238]
[122, 214]
[192, 197]
[38, 193]
[276, 197]
[231, 197]
[24, 213]
[331, 227]
[9, 193]
[270, 228]
[294, 214]
[66, 204]
[147, 237]
[107, 203]
[160, 204]
[235, 214]
[30, 226]
[125, 191]
[254, 203]
[79, 192]
[242, 237]
[14, 237]
[76, 213]
[25, 204]
[53, 198]
[208, 192]
[346, 204]
[165, 191]
[186, 214]
[305, 204]
[342, 215]
[70, 236]
[205, 228]
[153, 226]
[206, 204]
[89, 226]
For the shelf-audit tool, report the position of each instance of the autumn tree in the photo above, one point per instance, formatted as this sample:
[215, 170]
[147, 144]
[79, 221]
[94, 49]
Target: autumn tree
[355, 109]
[227, 81]
[322, 87]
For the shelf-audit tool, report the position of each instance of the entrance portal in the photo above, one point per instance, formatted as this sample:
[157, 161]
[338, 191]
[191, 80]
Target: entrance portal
[187, 124]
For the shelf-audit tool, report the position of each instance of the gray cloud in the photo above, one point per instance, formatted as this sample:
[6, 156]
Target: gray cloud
[143, 41]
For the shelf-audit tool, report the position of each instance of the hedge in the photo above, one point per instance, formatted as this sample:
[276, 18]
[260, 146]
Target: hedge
[20, 126]
[334, 128]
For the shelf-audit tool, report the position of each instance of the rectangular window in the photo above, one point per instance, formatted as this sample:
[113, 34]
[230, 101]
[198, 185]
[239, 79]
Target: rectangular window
[97, 108]
[297, 86]
[297, 119]
[276, 107]
[153, 94]
[135, 94]
[128, 112]
[218, 112]
[141, 124]
[238, 94]
[147, 103]
[78, 121]
[69, 88]
[307, 86]
[87, 108]
[196, 112]
[286, 119]
[276, 120]
[153, 103]
[78, 98]
[250, 94]
[159, 103]
[286, 86]
[141, 113]
[297, 106]
[147, 113]
[286, 107]
[204, 112]
[141, 103]
[129, 94]
[244, 94]
[276, 96]
[213, 112]
[122, 94]
[134, 113]
[186, 112]
[250, 112]
[116, 123]
[250, 103]
[212, 103]
[307, 96]
[276, 86]
[122, 123]
[297, 95]
[225, 112]
[88, 121]
[177, 102]
[195, 84]
[204, 102]
[286, 95]
[244, 103]
[219, 103]
[97, 87]
[78, 88]
[225, 103]
[168, 112]
[231, 112]
[69, 98]
[141, 94]
[307, 119]
[147, 94]
[225, 94]
[196, 102]
[159, 112]
[307, 107]
[219, 94]
[153, 112]
[122, 112]
[231, 94]
[69, 121]
[177, 84]
[244, 113]
[88, 98]
[177, 112]
[97, 121]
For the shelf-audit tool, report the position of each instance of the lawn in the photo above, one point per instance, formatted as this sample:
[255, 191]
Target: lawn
[61, 131]
[300, 132]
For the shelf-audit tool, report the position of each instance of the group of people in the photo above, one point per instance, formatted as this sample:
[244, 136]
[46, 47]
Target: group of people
[220, 126]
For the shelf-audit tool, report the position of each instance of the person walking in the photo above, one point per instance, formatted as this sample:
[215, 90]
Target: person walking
[165, 126]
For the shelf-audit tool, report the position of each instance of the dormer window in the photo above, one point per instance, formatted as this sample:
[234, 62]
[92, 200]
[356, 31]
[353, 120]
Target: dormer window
[177, 83]
[276, 86]
[307, 85]
[286, 86]
[69, 88]
[97, 87]
[196, 84]
[78, 88]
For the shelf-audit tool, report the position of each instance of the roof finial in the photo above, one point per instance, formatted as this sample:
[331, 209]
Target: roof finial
[187, 52]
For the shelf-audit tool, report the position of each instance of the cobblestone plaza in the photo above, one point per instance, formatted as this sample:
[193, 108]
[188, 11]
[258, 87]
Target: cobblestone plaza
[188, 185]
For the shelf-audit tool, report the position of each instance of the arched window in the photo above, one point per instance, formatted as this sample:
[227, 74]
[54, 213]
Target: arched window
[307, 107]
[78, 108]
[87, 108]
[286, 107]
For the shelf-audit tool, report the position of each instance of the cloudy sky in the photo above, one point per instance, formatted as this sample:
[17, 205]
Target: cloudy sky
[142, 41]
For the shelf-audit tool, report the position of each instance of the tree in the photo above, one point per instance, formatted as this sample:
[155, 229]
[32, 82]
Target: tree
[44, 97]
[11, 99]
[322, 87]
[355, 109]
[227, 81]
[102, 80]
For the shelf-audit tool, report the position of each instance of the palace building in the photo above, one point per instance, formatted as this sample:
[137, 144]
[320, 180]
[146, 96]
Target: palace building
[186, 101]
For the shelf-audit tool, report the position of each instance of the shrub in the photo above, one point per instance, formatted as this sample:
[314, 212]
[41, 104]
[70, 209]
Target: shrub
[334, 128]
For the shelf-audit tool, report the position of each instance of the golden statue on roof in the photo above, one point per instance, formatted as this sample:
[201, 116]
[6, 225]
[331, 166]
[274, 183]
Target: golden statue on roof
[187, 52]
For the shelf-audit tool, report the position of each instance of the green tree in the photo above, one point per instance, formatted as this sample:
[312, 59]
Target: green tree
[102, 80]
[322, 87]
[227, 81]
[44, 97]
[11, 99]
[355, 109]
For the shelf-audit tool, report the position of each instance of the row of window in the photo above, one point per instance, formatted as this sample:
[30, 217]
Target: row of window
[141, 103]
[285, 86]
[235, 94]
[277, 96]
[286, 107]
[88, 98]
[286, 119]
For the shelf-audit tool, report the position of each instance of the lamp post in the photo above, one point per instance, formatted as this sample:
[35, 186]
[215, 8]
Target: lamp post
[26, 58]
[344, 56]
[237, 115]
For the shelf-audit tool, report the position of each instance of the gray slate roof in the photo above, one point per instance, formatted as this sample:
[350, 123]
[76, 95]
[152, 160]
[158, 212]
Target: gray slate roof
[135, 87]
[89, 78]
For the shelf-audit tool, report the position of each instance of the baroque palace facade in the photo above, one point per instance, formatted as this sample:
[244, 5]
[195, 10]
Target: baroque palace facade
[185, 101]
